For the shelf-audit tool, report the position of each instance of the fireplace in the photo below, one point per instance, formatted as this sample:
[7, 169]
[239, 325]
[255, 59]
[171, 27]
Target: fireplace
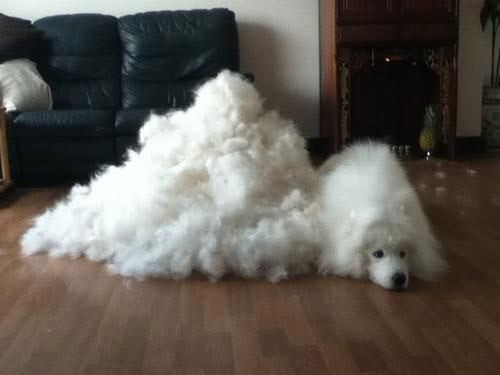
[389, 89]
[382, 63]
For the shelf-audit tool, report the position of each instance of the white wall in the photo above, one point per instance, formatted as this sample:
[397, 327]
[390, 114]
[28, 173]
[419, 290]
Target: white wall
[278, 41]
[473, 66]
[280, 44]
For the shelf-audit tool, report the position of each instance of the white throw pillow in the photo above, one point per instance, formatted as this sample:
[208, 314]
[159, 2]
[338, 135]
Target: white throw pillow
[22, 88]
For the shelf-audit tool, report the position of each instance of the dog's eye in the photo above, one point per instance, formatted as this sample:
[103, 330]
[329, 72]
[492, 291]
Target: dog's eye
[402, 254]
[378, 254]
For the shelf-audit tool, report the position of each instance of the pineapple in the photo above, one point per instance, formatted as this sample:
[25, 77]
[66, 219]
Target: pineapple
[428, 139]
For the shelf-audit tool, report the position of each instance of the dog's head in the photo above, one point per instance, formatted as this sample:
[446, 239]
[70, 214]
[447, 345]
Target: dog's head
[395, 251]
[377, 250]
[387, 256]
[386, 249]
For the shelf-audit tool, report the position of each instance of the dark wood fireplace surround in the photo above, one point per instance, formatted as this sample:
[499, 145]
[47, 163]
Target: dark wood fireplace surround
[353, 31]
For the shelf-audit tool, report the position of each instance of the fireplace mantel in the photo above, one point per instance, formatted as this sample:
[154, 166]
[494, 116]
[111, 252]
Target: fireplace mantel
[353, 28]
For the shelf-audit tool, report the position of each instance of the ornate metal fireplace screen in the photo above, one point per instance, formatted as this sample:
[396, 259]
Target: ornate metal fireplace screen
[439, 60]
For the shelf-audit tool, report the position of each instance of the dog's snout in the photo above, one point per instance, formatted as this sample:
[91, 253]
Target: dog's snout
[398, 280]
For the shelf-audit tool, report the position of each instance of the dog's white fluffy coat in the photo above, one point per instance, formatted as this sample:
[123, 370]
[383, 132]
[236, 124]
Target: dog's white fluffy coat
[221, 187]
[368, 204]
[226, 187]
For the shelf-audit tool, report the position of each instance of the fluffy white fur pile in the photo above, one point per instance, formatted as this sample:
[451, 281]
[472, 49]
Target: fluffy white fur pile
[221, 187]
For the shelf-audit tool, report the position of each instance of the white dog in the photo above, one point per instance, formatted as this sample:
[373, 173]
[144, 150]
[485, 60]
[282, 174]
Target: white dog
[372, 222]
[226, 187]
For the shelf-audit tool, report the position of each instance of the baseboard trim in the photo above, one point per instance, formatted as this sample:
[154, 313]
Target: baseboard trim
[463, 145]
[318, 146]
[469, 145]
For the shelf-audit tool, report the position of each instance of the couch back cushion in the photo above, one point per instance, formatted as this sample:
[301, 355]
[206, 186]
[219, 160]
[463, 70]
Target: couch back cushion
[80, 59]
[167, 54]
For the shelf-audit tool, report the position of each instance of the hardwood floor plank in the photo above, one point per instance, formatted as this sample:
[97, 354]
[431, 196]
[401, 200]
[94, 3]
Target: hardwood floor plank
[71, 316]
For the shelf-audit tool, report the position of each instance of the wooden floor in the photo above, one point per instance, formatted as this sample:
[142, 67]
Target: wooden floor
[71, 317]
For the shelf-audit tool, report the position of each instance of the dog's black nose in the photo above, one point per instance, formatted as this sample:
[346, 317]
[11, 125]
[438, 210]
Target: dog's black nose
[398, 279]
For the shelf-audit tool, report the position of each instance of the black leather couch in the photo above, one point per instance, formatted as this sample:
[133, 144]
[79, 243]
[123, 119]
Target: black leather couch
[107, 75]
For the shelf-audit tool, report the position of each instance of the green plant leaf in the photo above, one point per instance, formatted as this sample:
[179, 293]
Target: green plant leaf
[484, 16]
[490, 12]
[487, 13]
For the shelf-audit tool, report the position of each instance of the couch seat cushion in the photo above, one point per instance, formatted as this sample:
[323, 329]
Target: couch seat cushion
[129, 121]
[63, 123]
[66, 151]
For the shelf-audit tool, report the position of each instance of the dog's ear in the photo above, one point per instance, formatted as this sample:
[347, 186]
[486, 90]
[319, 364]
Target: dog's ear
[427, 262]
[345, 260]
[328, 166]
[426, 259]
